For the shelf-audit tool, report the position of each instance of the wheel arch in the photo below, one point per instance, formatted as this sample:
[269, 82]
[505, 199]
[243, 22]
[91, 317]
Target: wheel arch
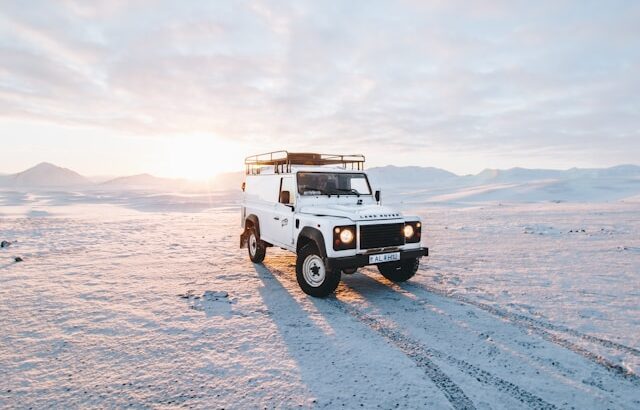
[311, 235]
[251, 221]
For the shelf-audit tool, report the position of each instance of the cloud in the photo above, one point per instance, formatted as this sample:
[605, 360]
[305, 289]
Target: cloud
[503, 77]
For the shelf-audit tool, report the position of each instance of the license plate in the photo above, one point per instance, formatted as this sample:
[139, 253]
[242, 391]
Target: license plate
[384, 257]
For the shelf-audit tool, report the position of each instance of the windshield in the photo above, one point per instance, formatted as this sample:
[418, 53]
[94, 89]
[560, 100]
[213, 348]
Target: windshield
[333, 183]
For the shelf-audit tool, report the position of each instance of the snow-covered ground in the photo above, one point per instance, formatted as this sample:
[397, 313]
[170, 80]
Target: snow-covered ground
[146, 300]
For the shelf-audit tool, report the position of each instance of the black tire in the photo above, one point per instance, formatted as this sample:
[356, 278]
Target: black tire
[257, 248]
[399, 271]
[311, 265]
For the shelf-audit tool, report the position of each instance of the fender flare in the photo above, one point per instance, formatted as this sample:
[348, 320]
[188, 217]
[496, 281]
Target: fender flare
[254, 220]
[316, 236]
[244, 237]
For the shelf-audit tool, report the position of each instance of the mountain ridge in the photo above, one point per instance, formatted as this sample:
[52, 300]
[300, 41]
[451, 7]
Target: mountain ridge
[424, 183]
[44, 174]
[140, 180]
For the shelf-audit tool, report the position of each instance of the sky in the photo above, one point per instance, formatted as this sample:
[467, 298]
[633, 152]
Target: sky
[188, 89]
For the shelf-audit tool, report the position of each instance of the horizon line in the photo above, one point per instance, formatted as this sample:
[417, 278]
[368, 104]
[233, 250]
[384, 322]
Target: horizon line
[115, 176]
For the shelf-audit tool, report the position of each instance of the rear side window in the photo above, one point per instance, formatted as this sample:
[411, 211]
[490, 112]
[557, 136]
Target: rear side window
[263, 188]
[288, 184]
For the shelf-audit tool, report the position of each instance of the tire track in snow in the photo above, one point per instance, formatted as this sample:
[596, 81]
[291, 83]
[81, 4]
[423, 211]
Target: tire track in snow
[417, 352]
[416, 301]
[414, 351]
[543, 329]
[421, 355]
[523, 318]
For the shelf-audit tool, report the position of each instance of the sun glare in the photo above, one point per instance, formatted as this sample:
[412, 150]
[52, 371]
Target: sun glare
[202, 157]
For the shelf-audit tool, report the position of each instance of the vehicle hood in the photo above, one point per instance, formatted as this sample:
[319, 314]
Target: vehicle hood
[352, 211]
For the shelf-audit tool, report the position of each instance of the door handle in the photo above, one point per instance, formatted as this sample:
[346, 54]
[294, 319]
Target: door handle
[276, 218]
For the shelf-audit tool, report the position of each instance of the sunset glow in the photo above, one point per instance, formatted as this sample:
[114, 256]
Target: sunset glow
[200, 157]
[189, 90]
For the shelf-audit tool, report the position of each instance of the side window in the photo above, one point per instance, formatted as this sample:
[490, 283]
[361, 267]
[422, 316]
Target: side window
[287, 184]
[263, 188]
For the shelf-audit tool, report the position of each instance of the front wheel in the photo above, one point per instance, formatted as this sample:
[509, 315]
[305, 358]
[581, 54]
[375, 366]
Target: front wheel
[313, 276]
[257, 248]
[399, 271]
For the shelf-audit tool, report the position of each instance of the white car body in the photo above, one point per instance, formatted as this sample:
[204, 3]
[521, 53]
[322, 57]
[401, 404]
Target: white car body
[282, 224]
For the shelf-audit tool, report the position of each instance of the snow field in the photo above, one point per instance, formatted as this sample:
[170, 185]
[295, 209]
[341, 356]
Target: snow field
[515, 307]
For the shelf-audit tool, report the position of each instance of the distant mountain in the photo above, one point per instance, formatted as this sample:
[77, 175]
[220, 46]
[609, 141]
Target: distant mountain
[44, 175]
[620, 171]
[391, 175]
[514, 175]
[407, 184]
[416, 185]
[221, 182]
[99, 179]
[562, 190]
[143, 181]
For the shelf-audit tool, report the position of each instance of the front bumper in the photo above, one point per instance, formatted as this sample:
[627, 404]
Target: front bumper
[358, 261]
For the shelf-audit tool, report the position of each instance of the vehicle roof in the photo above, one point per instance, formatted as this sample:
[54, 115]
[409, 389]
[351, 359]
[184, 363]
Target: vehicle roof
[308, 168]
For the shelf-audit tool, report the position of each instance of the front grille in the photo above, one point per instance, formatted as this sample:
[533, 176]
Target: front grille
[380, 236]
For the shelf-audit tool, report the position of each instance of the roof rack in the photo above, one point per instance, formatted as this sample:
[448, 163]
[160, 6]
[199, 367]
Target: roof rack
[283, 160]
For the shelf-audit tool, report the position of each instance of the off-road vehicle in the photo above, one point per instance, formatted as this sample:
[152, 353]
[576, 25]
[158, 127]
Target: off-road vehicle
[321, 207]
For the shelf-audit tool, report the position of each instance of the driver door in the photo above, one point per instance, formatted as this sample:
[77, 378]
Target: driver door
[283, 214]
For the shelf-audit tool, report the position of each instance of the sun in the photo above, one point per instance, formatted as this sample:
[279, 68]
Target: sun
[201, 157]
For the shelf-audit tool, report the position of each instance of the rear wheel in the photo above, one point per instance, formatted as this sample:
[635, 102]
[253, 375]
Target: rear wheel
[399, 271]
[257, 248]
[313, 276]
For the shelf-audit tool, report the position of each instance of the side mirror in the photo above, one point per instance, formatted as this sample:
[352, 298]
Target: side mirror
[285, 197]
[377, 196]
[244, 185]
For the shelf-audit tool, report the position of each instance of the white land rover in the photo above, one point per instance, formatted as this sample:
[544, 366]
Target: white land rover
[322, 208]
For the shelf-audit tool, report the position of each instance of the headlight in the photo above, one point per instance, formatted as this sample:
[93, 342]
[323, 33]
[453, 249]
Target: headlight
[412, 231]
[408, 231]
[344, 237]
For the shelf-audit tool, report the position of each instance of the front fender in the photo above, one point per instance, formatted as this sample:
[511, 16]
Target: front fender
[312, 234]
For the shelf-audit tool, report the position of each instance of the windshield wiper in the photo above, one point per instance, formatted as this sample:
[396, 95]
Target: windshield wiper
[350, 190]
